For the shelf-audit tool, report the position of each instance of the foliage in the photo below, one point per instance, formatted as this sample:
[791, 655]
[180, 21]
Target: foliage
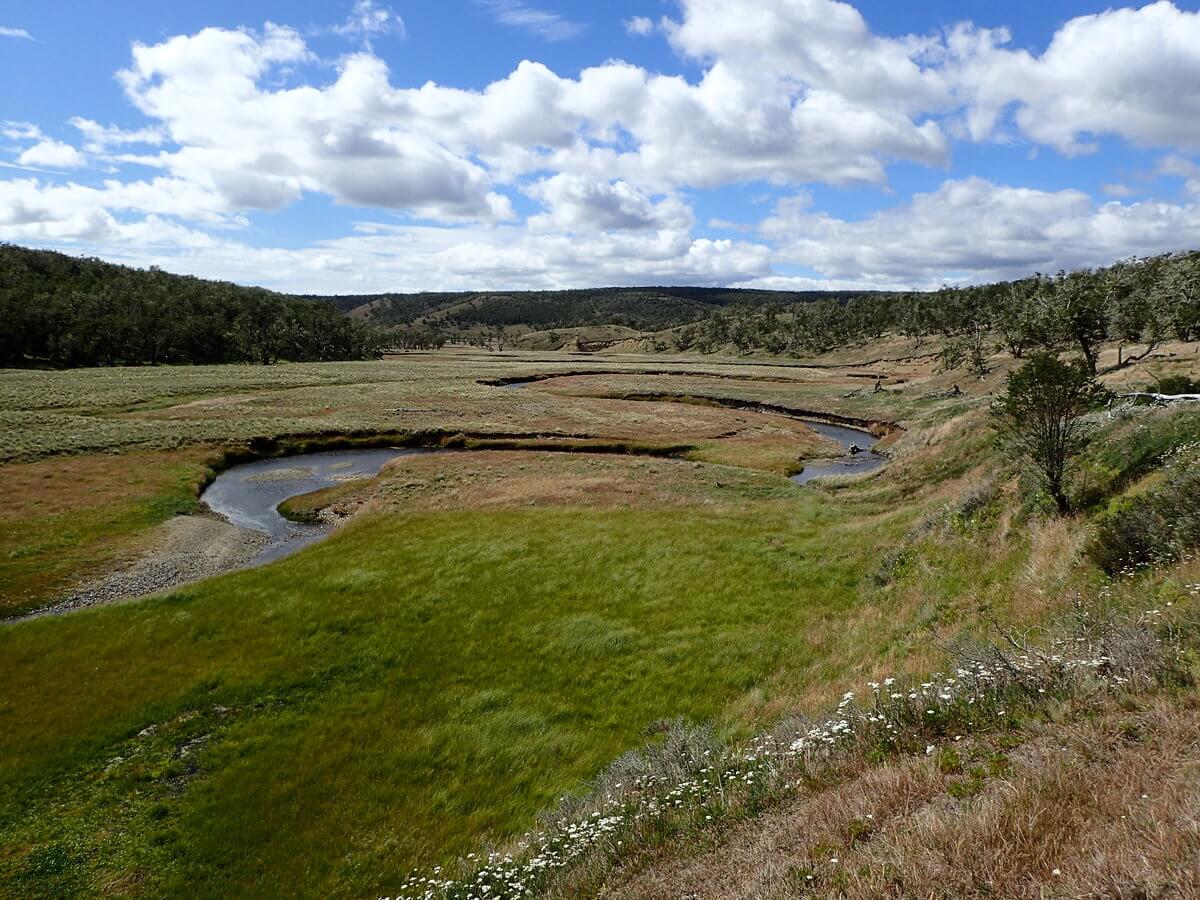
[1178, 384]
[1155, 527]
[1136, 301]
[642, 308]
[66, 312]
[1040, 412]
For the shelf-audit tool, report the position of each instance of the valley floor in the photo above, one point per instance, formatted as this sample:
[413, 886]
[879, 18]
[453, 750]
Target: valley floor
[489, 630]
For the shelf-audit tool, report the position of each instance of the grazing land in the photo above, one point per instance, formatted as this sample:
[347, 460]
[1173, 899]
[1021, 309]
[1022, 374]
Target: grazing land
[595, 554]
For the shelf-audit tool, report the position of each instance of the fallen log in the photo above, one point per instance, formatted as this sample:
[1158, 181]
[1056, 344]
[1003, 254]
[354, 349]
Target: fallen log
[1163, 398]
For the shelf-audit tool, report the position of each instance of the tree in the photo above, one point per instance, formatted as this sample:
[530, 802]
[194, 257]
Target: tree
[1079, 313]
[1180, 296]
[1039, 416]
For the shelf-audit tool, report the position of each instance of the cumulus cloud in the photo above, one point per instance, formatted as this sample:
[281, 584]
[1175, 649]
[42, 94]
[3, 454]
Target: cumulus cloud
[577, 204]
[786, 92]
[52, 155]
[1133, 73]
[263, 149]
[974, 230]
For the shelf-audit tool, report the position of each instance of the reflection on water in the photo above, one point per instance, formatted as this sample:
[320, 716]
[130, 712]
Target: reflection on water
[248, 495]
[860, 463]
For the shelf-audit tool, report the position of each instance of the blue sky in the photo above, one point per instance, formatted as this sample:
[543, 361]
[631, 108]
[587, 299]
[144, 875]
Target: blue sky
[368, 146]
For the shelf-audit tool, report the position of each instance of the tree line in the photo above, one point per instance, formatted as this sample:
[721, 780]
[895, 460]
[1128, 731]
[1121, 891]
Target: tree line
[1137, 302]
[62, 311]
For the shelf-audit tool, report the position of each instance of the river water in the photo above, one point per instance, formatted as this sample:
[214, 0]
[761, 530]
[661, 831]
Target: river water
[249, 494]
[866, 460]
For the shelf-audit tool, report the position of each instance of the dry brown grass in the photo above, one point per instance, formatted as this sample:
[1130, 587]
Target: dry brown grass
[516, 478]
[1106, 805]
[1055, 549]
[56, 485]
[66, 520]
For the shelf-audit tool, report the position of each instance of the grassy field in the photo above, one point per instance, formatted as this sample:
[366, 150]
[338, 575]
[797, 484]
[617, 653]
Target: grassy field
[491, 628]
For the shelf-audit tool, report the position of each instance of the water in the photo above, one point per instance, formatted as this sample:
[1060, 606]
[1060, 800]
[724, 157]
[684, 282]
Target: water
[865, 460]
[248, 495]
[852, 464]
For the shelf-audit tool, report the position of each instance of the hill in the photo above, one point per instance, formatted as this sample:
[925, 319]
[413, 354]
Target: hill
[63, 311]
[641, 308]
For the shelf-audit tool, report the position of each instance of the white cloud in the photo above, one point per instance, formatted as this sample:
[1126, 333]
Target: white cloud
[789, 92]
[21, 131]
[1180, 167]
[263, 149]
[639, 25]
[30, 208]
[576, 204]
[973, 230]
[15, 33]
[100, 138]
[52, 154]
[1133, 73]
[548, 25]
[369, 19]
[820, 45]
[413, 257]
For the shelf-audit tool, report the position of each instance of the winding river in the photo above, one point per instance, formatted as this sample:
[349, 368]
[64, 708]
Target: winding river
[248, 495]
[855, 443]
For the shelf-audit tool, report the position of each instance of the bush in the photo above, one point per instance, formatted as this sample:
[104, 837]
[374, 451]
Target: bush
[1178, 384]
[1040, 415]
[1134, 442]
[1156, 527]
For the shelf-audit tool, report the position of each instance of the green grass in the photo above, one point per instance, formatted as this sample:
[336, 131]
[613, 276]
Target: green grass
[428, 680]
[395, 694]
[47, 543]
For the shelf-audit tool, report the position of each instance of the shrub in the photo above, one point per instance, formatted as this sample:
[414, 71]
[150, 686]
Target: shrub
[1156, 527]
[1178, 384]
[1136, 441]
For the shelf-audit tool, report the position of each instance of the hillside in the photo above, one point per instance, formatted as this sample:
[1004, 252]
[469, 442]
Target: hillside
[640, 308]
[62, 311]
[527, 609]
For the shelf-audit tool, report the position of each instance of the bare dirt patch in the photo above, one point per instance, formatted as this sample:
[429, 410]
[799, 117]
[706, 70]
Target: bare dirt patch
[183, 549]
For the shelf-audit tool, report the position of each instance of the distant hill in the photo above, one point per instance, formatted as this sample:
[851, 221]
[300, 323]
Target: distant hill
[639, 308]
[64, 311]
[59, 310]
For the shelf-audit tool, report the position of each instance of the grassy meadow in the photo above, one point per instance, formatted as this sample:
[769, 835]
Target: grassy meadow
[491, 628]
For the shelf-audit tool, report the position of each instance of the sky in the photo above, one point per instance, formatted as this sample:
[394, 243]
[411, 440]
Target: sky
[359, 146]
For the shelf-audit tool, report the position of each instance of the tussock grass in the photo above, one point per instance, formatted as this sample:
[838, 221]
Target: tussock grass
[675, 790]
